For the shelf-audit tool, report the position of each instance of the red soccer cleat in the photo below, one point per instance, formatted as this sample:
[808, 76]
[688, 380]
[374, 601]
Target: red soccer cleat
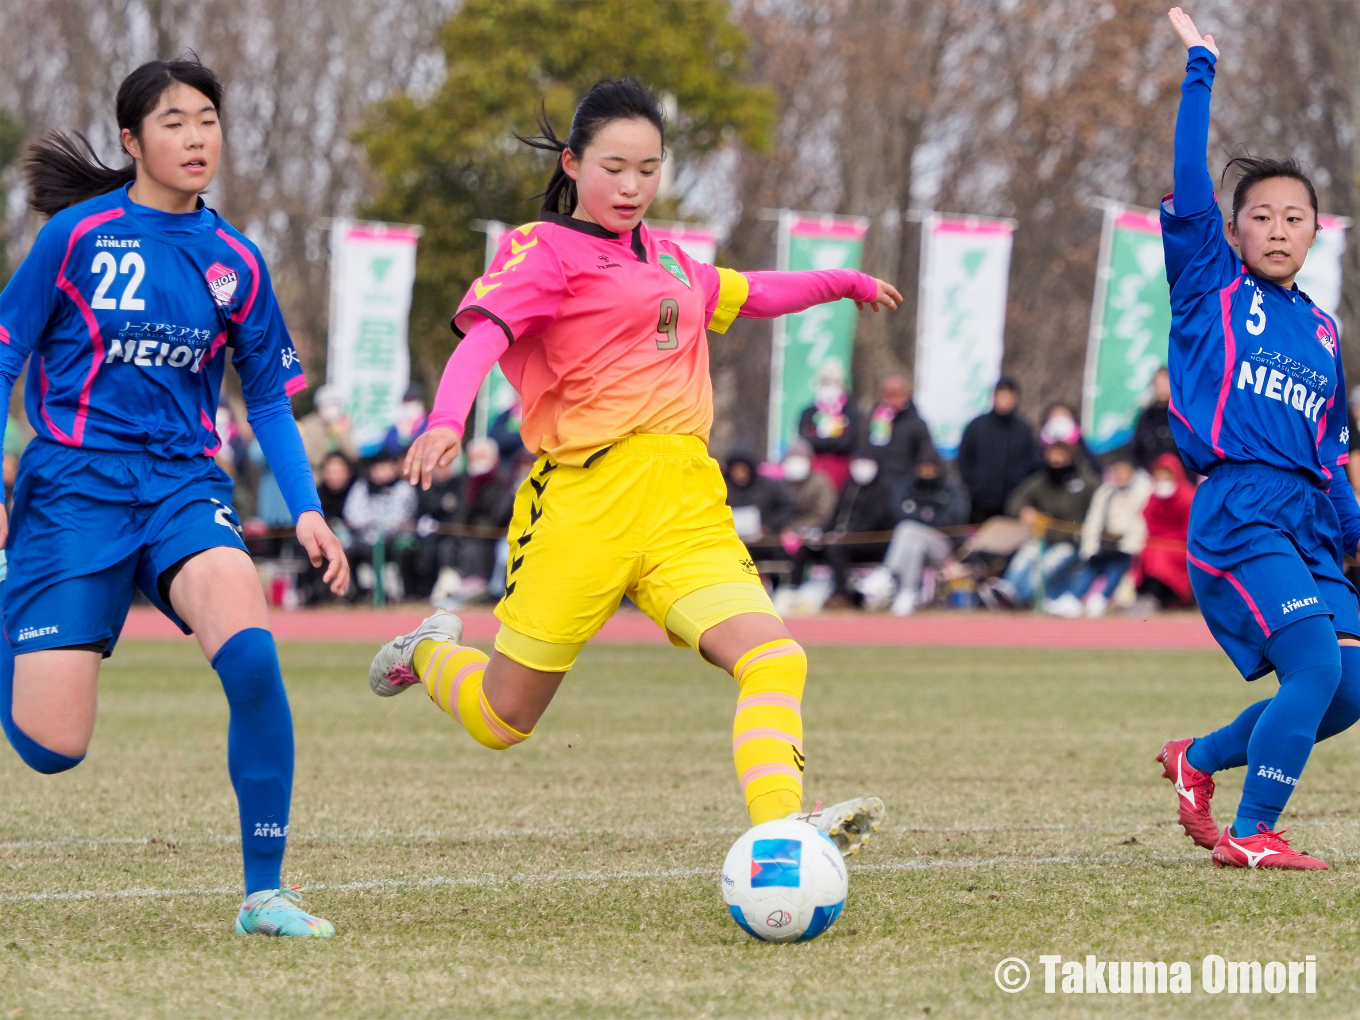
[1266, 849]
[1194, 789]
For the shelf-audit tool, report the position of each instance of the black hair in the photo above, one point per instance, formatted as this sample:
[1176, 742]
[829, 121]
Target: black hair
[1255, 169]
[63, 169]
[609, 100]
[1007, 382]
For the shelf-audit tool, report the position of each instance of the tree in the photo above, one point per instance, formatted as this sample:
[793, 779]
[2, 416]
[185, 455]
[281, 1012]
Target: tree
[453, 159]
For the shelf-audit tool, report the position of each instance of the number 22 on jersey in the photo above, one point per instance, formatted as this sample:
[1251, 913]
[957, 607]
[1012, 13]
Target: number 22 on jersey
[133, 267]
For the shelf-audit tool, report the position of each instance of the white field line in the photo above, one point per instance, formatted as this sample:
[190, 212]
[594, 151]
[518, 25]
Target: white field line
[529, 832]
[606, 877]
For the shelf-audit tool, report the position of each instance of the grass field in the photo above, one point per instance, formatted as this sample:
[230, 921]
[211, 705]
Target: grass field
[577, 875]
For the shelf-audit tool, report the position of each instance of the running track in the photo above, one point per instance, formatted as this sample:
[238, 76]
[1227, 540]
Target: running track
[932, 629]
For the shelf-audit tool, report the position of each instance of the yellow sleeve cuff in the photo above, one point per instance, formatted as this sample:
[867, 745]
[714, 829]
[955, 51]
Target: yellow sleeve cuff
[733, 289]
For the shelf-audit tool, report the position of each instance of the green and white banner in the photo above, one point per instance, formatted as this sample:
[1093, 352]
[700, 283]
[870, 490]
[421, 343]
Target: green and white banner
[806, 341]
[373, 268]
[1130, 326]
[961, 321]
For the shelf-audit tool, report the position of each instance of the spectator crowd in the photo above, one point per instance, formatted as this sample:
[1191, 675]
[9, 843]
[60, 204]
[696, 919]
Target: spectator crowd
[863, 511]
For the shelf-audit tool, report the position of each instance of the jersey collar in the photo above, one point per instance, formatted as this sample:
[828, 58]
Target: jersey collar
[595, 230]
[175, 228]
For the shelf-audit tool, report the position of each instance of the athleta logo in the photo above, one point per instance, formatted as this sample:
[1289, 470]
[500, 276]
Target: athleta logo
[29, 633]
[1271, 772]
[270, 829]
[222, 282]
[1293, 604]
[104, 241]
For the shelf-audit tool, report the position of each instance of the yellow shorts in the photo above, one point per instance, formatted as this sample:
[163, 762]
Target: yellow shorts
[647, 519]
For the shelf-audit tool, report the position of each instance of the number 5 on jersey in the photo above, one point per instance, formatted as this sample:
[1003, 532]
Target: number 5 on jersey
[132, 265]
[667, 323]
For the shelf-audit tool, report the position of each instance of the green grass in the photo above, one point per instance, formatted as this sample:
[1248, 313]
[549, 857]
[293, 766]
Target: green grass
[577, 875]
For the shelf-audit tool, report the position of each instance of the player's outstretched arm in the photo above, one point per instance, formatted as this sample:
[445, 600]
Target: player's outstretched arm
[315, 536]
[1189, 34]
[767, 295]
[887, 297]
[1194, 188]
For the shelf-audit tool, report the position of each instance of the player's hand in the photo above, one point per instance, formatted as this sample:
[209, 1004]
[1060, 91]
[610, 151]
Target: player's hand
[316, 537]
[4, 524]
[887, 296]
[1185, 28]
[436, 448]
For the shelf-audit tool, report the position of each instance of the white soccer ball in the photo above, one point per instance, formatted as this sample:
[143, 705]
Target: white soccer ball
[784, 881]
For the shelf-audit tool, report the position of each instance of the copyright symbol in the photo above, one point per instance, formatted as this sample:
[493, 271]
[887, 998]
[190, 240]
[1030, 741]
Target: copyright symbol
[1012, 974]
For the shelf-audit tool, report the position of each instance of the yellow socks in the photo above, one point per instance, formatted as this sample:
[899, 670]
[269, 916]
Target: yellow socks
[452, 675]
[767, 734]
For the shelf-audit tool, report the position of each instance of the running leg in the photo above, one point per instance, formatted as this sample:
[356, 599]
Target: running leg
[1307, 660]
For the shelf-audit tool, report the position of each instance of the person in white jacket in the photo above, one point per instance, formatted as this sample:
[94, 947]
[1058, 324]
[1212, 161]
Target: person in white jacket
[1112, 535]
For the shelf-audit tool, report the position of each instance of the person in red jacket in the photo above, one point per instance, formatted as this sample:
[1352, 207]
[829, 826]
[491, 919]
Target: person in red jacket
[1163, 577]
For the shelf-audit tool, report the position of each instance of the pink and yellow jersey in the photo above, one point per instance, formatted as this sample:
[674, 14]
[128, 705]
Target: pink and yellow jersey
[606, 333]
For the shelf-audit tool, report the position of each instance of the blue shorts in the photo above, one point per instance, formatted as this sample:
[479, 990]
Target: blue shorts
[1264, 551]
[86, 527]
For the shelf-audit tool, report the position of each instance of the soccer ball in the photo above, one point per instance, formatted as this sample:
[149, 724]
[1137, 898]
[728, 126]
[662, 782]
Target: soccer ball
[784, 881]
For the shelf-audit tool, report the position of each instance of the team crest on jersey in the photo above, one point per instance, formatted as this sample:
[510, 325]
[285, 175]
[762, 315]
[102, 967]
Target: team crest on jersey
[673, 267]
[222, 282]
[1325, 338]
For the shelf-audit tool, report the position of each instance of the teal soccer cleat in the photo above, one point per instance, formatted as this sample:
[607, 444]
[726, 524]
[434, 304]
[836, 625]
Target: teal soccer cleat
[277, 912]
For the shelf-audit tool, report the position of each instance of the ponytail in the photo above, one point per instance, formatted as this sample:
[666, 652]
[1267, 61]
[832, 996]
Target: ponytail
[609, 100]
[560, 194]
[63, 170]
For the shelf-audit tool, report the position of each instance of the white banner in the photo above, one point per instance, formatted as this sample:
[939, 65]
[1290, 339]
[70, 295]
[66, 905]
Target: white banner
[965, 272]
[373, 268]
[1320, 277]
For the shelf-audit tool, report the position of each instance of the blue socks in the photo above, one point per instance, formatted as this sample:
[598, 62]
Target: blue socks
[1319, 696]
[259, 751]
[35, 756]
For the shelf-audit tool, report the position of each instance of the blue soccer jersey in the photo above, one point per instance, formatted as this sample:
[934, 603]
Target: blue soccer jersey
[129, 314]
[1255, 368]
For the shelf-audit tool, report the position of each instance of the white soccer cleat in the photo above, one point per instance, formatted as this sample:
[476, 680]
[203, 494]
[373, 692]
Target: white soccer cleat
[849, 824]
[392, 670]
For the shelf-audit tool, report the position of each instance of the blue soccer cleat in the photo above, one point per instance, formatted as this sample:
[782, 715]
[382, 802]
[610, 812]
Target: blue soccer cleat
[277, 912]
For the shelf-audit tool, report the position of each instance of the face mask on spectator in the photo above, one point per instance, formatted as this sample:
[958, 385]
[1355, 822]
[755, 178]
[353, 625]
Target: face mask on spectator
[1058, 475]
[863, 470]
[482, 457]
[829, 393]
[797, 469]
[1165, 488]
[1060, 429]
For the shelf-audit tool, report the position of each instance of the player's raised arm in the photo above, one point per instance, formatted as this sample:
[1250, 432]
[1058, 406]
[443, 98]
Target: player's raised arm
[1194, 187]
